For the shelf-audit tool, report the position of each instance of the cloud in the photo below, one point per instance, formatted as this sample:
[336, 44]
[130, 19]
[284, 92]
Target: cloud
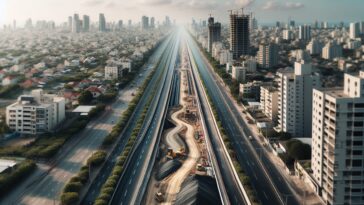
[244, 3]
[155, 2]
[275, 5]
[92, 3]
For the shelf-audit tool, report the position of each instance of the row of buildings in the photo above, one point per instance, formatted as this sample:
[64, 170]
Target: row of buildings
[296, 100]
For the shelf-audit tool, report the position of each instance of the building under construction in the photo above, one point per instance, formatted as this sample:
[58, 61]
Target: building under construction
[239, 34]
[214, 34]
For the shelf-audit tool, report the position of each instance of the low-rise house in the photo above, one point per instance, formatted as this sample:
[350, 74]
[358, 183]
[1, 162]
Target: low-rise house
[9, 80]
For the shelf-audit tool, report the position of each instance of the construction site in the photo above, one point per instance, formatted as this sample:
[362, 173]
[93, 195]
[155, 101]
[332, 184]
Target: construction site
[182, 173]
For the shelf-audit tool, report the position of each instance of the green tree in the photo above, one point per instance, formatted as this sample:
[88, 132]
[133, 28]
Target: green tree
[85, 98]
[69, 198]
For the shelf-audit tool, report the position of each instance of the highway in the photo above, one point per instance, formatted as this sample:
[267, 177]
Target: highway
[126, 133]
[133, 182]
[229, 187]
[265, 178]
[44, 186]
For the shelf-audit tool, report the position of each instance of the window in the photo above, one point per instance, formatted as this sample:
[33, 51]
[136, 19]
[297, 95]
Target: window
[357, 163]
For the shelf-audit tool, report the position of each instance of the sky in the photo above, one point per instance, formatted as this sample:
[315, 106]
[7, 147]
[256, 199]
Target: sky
[266, 11]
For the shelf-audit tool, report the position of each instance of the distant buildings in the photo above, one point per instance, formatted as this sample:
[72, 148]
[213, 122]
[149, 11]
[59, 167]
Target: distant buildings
[239, 34]
[337, 141]
[36, 113]
[152, 22]
[304, 32]
[214, 33]
[287, 35]
[295, 99]
[314, 47]
[354, 30]
[102, 23]
[268, 55]
[331, 50]
[76, 24]
[145, 23]
[86, 23]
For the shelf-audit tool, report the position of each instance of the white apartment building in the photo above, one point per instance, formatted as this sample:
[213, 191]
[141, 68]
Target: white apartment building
[287, 35]
[250, 64]
[354, 30]
[238, 73]
[304, 32]
[353, 44]
[314, 47]
[113, 72]
[250, 88]
[269, 102]
[338, 143]
[295, 99]
[36, 113]
[225, 57]
[267, 55]
[332, 50]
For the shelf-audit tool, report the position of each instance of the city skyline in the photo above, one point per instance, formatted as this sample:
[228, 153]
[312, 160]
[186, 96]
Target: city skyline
[182, 11]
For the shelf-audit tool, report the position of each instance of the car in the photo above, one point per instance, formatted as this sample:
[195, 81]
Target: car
[251, 138]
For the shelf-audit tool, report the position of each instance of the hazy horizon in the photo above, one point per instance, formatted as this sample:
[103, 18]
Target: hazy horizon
[266, 11]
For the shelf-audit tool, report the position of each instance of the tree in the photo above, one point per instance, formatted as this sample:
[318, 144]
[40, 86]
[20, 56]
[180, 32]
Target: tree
[298, 150]
[69, 198]
[85, 98]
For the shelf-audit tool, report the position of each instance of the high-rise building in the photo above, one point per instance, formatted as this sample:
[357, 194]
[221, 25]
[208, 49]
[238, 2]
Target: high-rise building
[120, 25]
[292, 24]
[36, 113]
[295, 99]
[70, 23]
[167, 22]
[316, 24]
[214, 33]
[362, 27]
[253, 24]
[152, 22]
[102, 23]
[268, 55]
[287, 34]
[76, 24]
[338, 142]
[145, 23]
[332, 50]
[304, 32]
[354, 30]
[86, 23]
[239, 34]
[129, 23]
[269, 102]
[314, 47]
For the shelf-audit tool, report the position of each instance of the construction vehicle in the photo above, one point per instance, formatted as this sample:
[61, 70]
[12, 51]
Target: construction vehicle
[170, 154]
[159, 197]
[200, 168]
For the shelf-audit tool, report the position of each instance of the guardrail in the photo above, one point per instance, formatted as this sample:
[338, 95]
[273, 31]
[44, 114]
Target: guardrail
[220, 137]
[141, 134]
[220, 185]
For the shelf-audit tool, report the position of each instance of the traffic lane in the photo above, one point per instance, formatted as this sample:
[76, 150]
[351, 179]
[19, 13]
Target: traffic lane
[133, 169]
[256, 176]
[227, 174]
[106, 170]
[284, 187]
